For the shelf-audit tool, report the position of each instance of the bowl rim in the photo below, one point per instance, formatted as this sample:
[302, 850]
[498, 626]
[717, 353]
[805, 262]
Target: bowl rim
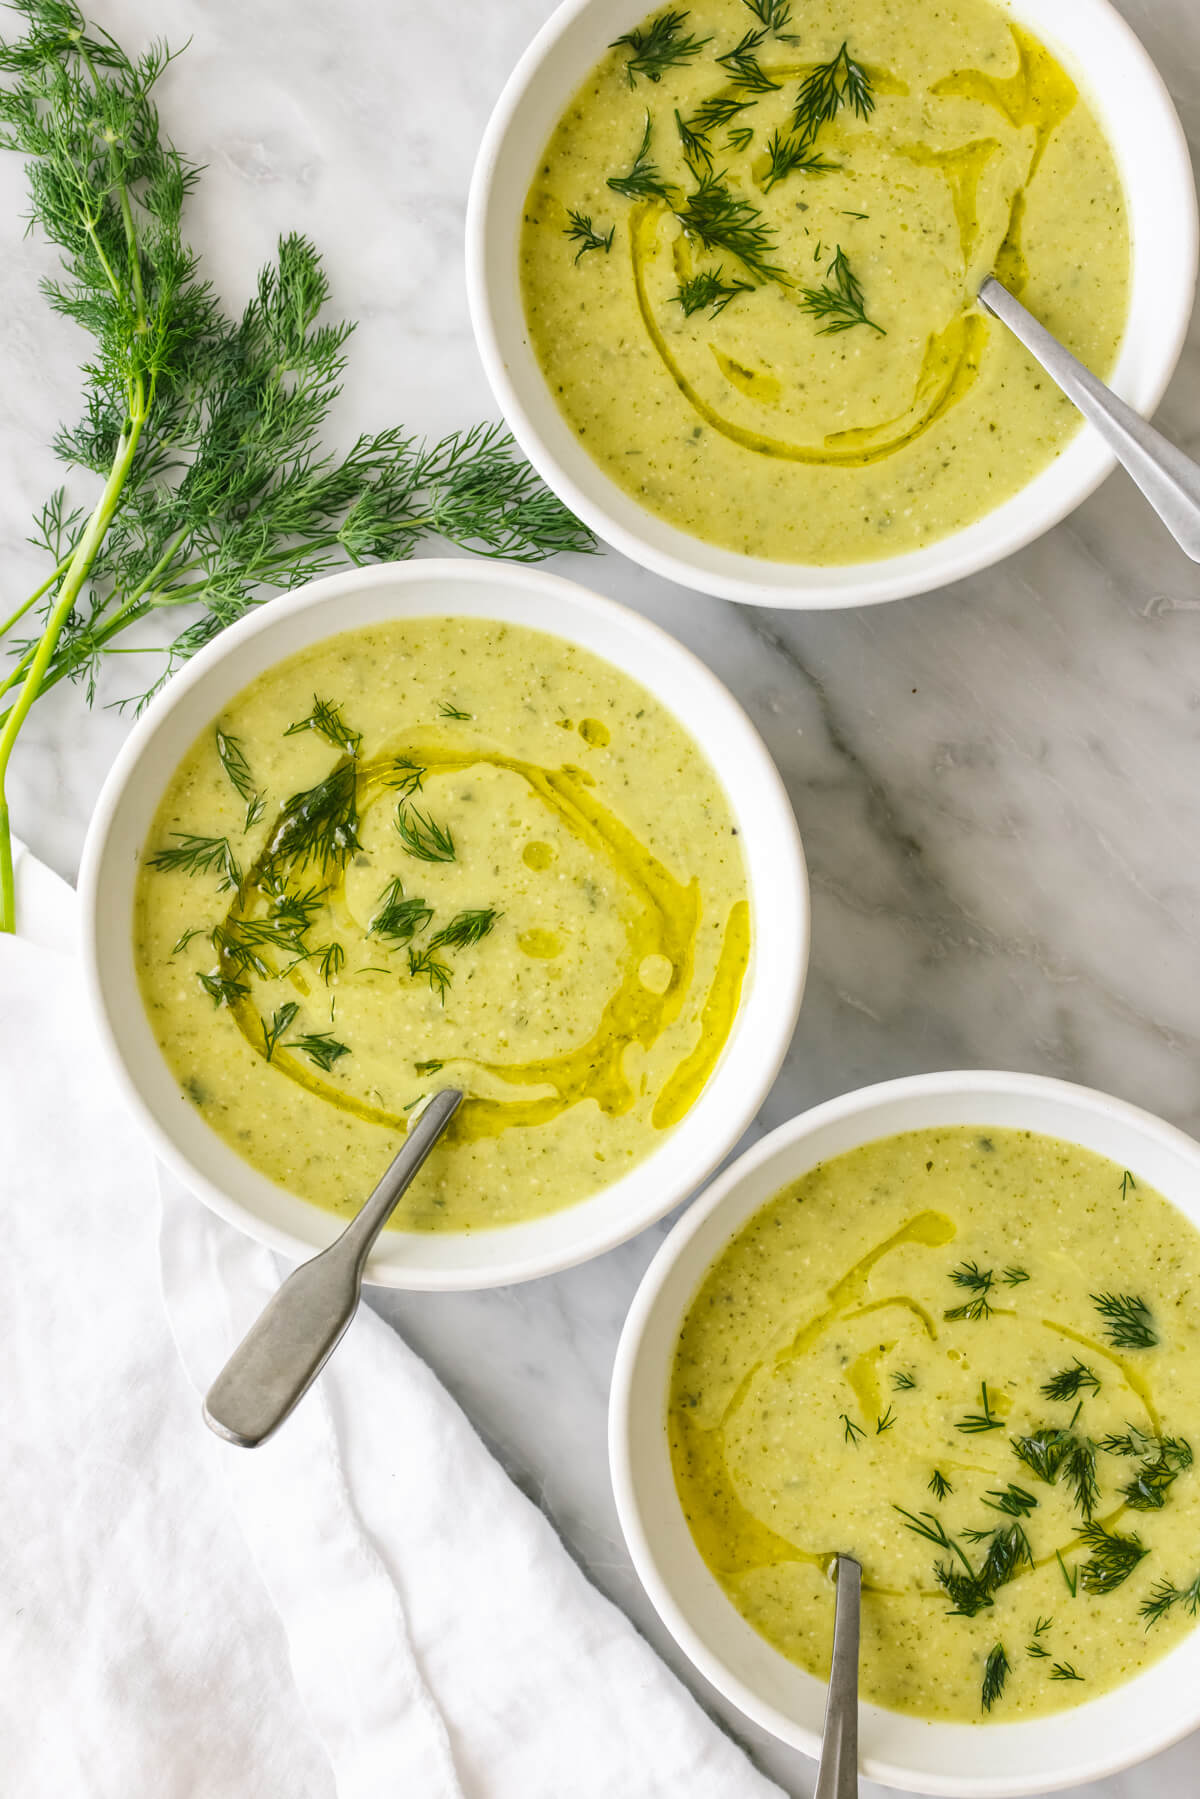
[866, 583]
[678, 1178]
[948, 1084]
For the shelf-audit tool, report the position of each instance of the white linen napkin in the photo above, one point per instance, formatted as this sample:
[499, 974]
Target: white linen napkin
[365, 1606]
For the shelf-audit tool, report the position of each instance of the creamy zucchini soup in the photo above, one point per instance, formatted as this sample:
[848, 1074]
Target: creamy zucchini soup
[971, 1360]
[750, 258]
[443, 852]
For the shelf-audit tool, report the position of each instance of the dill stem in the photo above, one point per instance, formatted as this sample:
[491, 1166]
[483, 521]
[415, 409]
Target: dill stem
[33, 599]
[77, 573]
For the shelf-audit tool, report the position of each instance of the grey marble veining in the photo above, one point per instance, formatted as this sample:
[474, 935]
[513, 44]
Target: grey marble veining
[998, 785]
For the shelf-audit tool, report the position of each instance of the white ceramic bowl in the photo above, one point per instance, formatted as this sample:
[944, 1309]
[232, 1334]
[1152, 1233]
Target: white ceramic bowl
[770, 841]
[1109, 63]
[963, 1760]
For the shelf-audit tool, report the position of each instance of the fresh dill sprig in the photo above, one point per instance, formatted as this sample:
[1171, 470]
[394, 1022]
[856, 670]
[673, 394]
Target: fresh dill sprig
[939, 1486]
[280, 1022]
[1128, 1184]
[1163, 1460]
[1008, 1551]
[1064, 1671]
[465, 929]
[1135, 1442]
[404, 776]
[185, 938]
[1012, 1277]
[397, 917]
[199, 434]
[712, 114]
[580, 231]
[972, 1276]
[903, 1382]
[852, 1431]
[826, 89]
[222, 989]
[720, 220]
[1068, 1381]
[740, 137]
[426, 965]
[885, 1422]
[786, 153]
[233, 760]
[697, 152]
[1043, 1451]
[742, 66]
[1011, 1499]
[422, 836]
[1164, 1595]
[428, 1067]
[1129, 1323]
[1079, 1473]
[644, 180]
[1070, 1575]
[976, 1422]
[966, 1592]
[708, 291]
[319, 824]
[659, 46]
[330, 960]
[839, 302]
[773, 14]
[200, 855]
[995, 1673]
[1113, 1558]
[446, 709]
[321, 1048]
[1036, 1647]
[930, 1526]
[327, 721]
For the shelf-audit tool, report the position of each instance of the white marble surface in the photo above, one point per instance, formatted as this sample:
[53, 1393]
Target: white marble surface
[998, 785]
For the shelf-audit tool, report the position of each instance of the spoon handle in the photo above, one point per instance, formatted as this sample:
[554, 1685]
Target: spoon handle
[1169, 479]
[283, 1352]
[837, 1776]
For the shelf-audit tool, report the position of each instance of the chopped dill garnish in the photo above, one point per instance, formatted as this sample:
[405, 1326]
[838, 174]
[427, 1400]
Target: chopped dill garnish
[1163, 1460]
[1128, 1320]
[826, 89]
[660, 46]
[581, 232]
[717, 218]
[939, 1486]
[422, 836]
[930, 1526]
[1128, 1184]
[852, 1431]
[774, 14]
[697, 152]
[466, 928]
[1113, 1559]
[436, 973]
[644, 181]
[446, 710]
[1043, 1451]
[975, 1422]
[330, 961]
[321, 824]
[995, 1673]
[233, 761]
[279, 1024]
[1164, 1594]
[223, 990]
[710, 115]
[1064, 1671]
[742, 66]
[1066, 1383]
[238, 950]
[707, 290]
[972, 1276]
[739, 138]
[327, 721]
[1070, 1575]
[182, 942]
[1139, 1442]
[1008, 1551]
[1012, 1277]
[1079, 1472]
[787, 153]
[1036, 1647]
[902, 1382]
[396, 917]
[320, 1047]
[428, 1067]
[885, 1422]
[975, 1309]
[839, 301]
[405, 776]
[201, 855]
[1013, 1500]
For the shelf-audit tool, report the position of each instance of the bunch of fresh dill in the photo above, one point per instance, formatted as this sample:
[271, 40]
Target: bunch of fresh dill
[203, 432]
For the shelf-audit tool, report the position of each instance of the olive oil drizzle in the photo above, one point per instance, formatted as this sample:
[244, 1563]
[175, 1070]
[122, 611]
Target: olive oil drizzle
[661, 916]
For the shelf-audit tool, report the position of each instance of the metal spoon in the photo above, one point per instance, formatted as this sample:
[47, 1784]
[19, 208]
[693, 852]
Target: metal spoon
[1169, 479]
[837, 1776]
[282, 1354]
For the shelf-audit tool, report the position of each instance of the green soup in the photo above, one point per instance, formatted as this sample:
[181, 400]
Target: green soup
[749, 261]
[972, 1361]
[432, 853]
